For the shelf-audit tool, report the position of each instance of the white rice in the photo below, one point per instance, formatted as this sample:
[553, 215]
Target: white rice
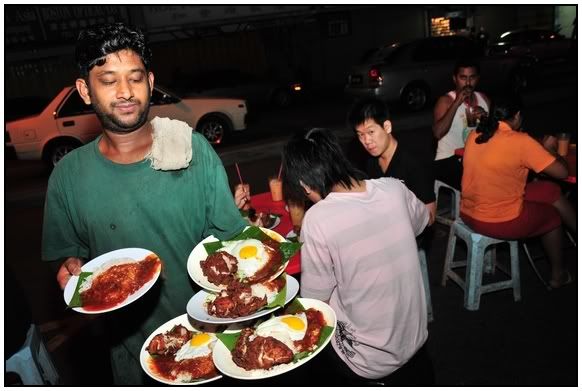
[89, 280]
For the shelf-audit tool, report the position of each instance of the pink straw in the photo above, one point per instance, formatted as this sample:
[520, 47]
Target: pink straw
[280, 169]
[238, 171]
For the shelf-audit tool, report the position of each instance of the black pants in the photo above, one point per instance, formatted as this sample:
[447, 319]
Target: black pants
[449, 171]
[418, 371]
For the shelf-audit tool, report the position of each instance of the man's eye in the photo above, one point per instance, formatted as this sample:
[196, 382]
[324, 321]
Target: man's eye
[137, 80]
[107, 82]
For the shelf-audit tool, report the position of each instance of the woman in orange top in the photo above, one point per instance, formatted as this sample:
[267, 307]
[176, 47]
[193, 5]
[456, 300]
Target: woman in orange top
[497, 202]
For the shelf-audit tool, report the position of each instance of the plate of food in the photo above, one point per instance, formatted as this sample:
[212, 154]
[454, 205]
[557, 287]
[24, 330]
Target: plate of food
[179, 352]
[240, 302]
[295, 337]
[112, 280]
[261, 219]
[254, 255]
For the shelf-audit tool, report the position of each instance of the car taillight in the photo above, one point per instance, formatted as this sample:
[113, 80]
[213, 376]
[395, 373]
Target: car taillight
[375, 76]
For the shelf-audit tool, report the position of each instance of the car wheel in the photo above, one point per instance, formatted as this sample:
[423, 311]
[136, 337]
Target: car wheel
[57, 150]
[415, 97]
[281, 99]
[214, 128]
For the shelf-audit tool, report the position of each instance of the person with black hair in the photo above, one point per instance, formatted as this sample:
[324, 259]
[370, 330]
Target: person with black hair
[359, 254]
[370, 120]
[495, 198]
[121, 190]
[452, 120]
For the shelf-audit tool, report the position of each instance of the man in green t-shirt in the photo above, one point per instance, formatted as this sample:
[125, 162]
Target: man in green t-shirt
[109, 194]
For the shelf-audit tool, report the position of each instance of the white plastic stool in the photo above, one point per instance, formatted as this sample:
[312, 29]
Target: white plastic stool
[32, 362]
[479, 258]
[425, 281]
[455, 202]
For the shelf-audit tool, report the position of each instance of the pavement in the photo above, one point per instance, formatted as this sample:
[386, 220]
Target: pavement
[533, 342]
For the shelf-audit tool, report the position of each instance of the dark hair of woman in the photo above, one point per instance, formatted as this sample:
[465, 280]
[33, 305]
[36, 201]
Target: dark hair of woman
[502, 109]
[94, 44]
[316, 159]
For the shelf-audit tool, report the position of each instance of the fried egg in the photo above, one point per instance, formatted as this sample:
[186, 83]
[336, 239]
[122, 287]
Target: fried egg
[285, 328]
[200, 345]
[250, 254]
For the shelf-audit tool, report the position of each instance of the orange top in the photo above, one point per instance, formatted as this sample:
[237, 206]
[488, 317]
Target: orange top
[495, 173]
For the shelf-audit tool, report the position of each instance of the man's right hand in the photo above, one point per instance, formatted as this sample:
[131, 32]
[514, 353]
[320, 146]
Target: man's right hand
[71, 267]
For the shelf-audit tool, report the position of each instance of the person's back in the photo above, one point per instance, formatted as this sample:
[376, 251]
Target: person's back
[495, 173]
[379, 299]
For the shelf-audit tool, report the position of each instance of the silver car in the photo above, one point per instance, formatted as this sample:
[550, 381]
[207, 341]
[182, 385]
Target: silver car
[419, 71]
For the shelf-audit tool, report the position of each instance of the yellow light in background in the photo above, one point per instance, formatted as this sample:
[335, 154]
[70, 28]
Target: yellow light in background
[296, 87]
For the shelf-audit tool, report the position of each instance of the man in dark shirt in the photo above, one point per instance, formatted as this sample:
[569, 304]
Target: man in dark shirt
[370, 119]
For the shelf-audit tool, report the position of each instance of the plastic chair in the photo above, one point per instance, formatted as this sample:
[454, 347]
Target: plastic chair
[425, 281]
[32, 362]
[479, 258]
[455, 203]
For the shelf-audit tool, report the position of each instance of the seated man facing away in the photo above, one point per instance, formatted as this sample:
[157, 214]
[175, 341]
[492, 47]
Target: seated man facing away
[359, 255]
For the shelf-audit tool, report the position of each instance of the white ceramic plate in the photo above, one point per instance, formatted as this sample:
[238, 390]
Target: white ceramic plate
[222, 357]
[138, 254]
[146, 360]
[196, 306]
[199, 254]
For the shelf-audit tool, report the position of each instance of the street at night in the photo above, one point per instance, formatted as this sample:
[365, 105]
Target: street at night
[531, 342]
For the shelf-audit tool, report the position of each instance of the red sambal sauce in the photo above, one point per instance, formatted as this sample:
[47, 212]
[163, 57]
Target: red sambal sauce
[199, 367]
[114, 285]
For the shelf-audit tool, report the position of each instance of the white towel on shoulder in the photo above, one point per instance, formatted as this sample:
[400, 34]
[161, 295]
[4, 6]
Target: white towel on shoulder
[172, 144]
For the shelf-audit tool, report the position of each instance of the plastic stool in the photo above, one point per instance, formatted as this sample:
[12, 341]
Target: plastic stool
[478, 259]
[32, 362]
[425, 281]
[455, 202]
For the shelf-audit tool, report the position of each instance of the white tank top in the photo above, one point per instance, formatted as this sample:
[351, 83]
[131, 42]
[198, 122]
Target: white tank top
[459, 131]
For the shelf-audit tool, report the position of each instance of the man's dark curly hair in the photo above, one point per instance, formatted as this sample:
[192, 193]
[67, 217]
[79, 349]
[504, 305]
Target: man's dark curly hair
[94, 44]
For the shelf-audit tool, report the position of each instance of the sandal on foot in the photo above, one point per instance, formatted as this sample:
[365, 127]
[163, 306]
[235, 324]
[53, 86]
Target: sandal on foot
[567, 280]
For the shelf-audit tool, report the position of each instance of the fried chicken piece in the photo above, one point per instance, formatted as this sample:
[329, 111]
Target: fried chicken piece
[237, 300]
[169, 343]
[219, 268]
[259, 352]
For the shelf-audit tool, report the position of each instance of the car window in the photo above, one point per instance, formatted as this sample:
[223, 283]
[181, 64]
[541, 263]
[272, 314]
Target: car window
[74, 105]
[440, 49]
[427, 50]
[160, 97]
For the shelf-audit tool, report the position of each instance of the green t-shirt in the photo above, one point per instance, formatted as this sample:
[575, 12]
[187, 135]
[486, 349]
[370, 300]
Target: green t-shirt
[94, 206]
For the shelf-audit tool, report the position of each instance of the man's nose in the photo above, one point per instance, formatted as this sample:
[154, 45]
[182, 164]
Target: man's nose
[124, 90]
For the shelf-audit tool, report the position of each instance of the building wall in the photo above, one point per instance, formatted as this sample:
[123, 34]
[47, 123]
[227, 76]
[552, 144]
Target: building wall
[318, 46]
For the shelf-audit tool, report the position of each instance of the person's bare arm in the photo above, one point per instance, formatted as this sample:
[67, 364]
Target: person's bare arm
[559, 168]
[443, 114]
[431, 211]
[70, 267]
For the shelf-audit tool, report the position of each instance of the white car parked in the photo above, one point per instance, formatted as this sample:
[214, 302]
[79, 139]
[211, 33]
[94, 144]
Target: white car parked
[67, 122]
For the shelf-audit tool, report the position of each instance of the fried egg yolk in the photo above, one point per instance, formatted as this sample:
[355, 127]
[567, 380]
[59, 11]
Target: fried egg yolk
[250, 254]
[200, 345]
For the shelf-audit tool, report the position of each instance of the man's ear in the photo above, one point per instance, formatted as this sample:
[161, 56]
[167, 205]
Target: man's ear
[306, 188]
[387, 125]
[151, 81]
[83, 90]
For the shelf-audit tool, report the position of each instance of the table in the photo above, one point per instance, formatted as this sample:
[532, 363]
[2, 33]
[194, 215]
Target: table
[263, 203]
[570, 159]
